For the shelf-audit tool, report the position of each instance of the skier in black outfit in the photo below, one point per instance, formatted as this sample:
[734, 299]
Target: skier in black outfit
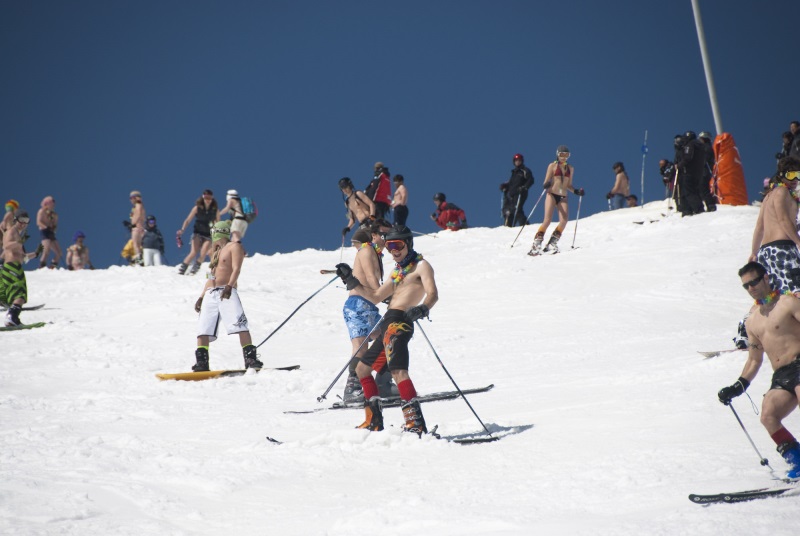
[708, 172]
[689, 159]
[515, 192]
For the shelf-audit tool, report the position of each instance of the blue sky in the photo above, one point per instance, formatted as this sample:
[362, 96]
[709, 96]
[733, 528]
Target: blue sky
[281, 99]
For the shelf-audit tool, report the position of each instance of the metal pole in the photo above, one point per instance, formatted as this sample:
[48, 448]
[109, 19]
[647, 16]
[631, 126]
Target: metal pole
[712, 94]
[644, 155]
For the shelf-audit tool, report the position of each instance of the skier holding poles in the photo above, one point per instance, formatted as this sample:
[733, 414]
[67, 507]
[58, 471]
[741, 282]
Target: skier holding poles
[515, 192]
[411, 282]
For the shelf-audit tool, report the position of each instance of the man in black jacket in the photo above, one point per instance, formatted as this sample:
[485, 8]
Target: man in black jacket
[515, 192]
[690, 159]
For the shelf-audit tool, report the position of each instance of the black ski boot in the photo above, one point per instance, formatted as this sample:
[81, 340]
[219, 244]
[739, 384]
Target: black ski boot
[250, 358]
[195, 268]
[386, 387]
[415, 422]
[373, 415]
[12, 316]
[182, 268]
[201, 354]
[353, 392]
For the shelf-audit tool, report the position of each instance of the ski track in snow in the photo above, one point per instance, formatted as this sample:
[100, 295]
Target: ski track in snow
[608, 415]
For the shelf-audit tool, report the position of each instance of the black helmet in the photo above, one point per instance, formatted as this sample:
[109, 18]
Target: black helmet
[562, 149]
[680, 141]
[439, 197]
[690, 135]
[401, 232]
[345, 182]
[705, 136]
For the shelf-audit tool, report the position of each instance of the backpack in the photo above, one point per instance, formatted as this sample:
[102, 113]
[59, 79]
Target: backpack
[372, 188]
[249, 209]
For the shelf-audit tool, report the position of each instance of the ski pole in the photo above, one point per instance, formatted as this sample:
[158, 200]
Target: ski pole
[764, 461]
[528, 218]
[577, 219]
[322, 397]
[341, 250]
[298, 308]
[452, 380]
[516, 210]
[423, 234]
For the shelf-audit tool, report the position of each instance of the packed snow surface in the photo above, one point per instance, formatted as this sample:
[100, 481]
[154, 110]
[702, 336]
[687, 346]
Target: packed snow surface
[607, 414]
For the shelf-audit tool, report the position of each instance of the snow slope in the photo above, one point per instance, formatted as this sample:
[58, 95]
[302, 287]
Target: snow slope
[608, 415]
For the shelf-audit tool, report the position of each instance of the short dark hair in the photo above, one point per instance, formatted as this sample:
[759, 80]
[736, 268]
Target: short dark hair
[788, 163]
[753, 266]
[398, 178]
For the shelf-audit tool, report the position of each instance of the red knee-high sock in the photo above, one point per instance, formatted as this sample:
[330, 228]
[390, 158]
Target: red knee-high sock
[780, 437]
[369, 386]
[406, 390]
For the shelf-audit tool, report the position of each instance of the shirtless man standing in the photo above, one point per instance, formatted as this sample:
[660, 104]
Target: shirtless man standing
[774, 328]
[557, 182]
[47, 222]
[775, 240]
[13, 287]
[137, 225]
[220, 299]
[400, 200]
[360, 314]
[360, 208]
[410, 283]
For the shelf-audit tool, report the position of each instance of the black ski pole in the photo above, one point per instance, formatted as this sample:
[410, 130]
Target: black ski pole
[528, 218]
[516, 209]
[577, 219]
[454, 382]
[322, 397]
[298, 308]
[764, 461]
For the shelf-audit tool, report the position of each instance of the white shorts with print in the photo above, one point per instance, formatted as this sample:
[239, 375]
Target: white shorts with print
[214, 309]
[239, 225]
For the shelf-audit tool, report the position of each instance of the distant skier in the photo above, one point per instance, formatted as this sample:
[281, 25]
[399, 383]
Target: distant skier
[204, 212]
[47, 222]
[136, 225]
[621, 189]
[709, 163]
[360, 208]
[239, 222]
[448, 215]
[379, 190]
[413, 290]
[220, 302]
[400, 200]
[774, 328]
[8, 219]
[78, 253]
[153, 243]
[515, 192]
[557, 182]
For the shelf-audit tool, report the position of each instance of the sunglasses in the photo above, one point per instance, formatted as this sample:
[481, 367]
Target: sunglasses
[751, 284]
[395, 245]
[791, 175]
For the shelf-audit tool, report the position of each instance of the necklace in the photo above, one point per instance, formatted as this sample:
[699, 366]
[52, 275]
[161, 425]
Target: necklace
[792, 192]
[772, 297]
[405, 267]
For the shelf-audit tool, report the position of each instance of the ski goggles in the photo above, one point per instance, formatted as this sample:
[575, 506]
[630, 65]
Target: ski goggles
[395, 245]
[563, 155]
[791, 175]
[23, 219]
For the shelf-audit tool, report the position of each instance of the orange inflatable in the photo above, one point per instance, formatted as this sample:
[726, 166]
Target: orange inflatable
[728, 182]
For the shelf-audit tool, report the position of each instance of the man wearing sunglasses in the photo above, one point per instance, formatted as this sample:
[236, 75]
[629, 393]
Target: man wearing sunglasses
[13, 287]
[775, 240]
[774, 328]
[410, 283]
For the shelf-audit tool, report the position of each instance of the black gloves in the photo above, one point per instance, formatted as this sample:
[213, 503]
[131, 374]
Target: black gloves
[415, 313]
[127, 224]
[726, 394]
[504, 187]
[345, 231]
[609, 195]
[579, 192]
[344, 271]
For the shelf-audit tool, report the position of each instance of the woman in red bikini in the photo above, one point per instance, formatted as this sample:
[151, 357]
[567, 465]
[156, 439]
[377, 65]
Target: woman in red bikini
[557, 182]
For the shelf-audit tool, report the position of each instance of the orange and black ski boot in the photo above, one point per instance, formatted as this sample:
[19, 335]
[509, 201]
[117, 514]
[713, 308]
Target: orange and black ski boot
[415, 422]
[374, 416]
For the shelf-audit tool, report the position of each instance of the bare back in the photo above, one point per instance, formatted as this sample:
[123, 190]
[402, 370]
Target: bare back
[776, 220]
[776, 331]
[367, 270]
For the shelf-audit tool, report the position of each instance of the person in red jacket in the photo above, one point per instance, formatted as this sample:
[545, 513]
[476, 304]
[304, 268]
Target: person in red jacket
[380, 190]
[448, 215]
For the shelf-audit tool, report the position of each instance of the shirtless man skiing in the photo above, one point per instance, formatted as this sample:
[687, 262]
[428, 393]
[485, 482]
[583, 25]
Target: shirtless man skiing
[13, 287]
[360, 208]
[773, 327]
[138, 217]
[775, 240]
[411, 282]
[220, 299]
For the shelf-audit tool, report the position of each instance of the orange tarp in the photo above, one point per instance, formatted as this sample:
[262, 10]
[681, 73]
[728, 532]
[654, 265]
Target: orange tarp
[731, 188]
